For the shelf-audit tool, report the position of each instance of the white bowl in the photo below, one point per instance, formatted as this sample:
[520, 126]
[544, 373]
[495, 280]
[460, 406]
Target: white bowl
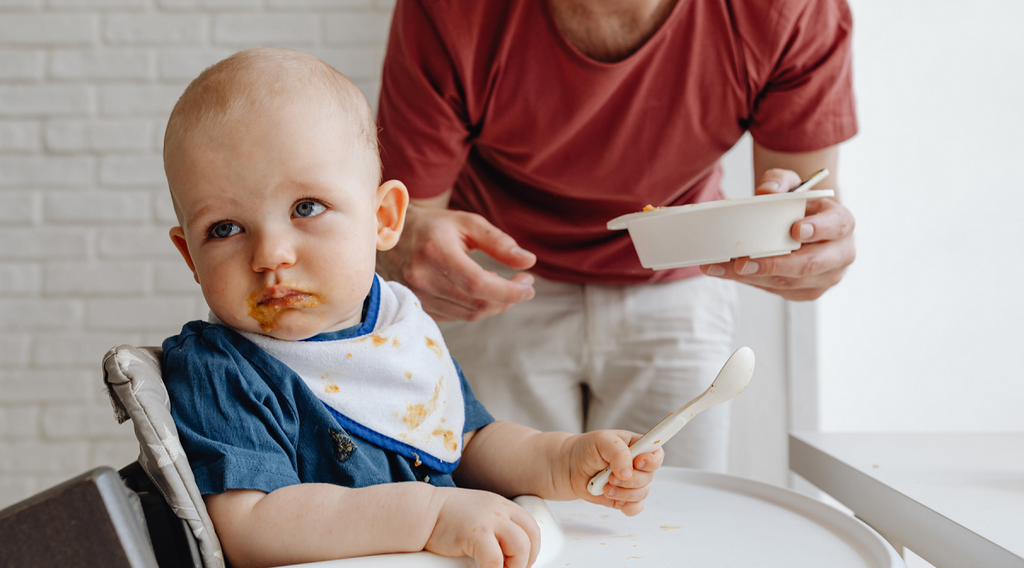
[716, 231]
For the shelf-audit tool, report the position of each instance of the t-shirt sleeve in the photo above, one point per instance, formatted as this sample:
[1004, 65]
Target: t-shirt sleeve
[234, 429]
[806, 102]
[424, 132]
[476, 415]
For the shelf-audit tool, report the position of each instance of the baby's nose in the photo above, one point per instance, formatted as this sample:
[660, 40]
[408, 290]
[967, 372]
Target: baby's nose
[272, 252]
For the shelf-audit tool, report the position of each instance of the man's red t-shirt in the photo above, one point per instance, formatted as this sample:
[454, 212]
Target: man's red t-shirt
[489, 98]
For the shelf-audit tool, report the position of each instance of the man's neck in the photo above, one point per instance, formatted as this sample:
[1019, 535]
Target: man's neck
[609, 30]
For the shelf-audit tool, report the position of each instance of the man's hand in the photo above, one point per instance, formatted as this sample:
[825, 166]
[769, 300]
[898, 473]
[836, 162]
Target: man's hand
[628, 486]
[805, 274]
[432, 259]
[491, 529]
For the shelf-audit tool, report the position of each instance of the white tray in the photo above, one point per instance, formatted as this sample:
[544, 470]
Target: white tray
[691, 518]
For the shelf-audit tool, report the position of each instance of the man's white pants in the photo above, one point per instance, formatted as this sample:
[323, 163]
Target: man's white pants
[580, 357]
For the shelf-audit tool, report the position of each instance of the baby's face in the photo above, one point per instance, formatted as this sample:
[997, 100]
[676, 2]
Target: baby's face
[280, 222]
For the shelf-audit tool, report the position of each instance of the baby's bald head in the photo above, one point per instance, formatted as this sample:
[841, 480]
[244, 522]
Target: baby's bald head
[259, 82]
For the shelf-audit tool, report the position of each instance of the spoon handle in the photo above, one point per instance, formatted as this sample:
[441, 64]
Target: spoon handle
[811, 181]
[731, 381]
[653, 439]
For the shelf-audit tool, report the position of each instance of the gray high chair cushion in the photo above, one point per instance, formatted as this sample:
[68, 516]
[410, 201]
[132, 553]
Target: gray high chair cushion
[137, 392]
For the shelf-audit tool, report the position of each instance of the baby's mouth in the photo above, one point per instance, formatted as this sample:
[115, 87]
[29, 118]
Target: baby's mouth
[266, 305]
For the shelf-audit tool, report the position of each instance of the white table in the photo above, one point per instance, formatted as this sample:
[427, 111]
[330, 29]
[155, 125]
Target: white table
[691, 518]
[956, 500]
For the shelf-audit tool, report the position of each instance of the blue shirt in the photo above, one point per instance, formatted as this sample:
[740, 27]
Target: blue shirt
[247, 421]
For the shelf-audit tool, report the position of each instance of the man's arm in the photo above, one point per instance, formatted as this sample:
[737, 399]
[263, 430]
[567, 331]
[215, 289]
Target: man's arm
[432, 259]
[826, 232]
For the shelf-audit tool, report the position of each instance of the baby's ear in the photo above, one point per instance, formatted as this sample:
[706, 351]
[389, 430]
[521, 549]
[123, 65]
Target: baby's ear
[178, 238]
[392, 201]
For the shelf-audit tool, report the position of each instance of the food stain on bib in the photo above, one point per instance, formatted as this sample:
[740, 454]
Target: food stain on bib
[267, 305]
[449, 438]
[415, 414]
[434, 346]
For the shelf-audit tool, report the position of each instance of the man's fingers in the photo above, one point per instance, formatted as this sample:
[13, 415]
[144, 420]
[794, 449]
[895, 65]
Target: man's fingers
[810, 260]
[442, 309]
[436, 265]
[777, 180]
[480, 234]
[475, 283]
[789, 287]
[453, 276]
[829, 222]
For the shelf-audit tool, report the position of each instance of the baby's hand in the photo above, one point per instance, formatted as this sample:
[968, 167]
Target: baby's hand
[486, 526]
[630, 480]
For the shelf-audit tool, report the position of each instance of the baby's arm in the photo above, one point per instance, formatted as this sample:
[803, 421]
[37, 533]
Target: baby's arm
[512, 459]
[316, 521]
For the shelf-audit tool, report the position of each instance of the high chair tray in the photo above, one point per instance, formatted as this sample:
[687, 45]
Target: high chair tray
[691, 518]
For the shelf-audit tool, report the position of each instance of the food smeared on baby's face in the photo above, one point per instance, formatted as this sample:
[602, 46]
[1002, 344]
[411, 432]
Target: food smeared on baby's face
[266, 305]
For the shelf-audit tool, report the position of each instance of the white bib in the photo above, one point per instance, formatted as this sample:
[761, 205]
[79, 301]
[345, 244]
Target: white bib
[396, 386]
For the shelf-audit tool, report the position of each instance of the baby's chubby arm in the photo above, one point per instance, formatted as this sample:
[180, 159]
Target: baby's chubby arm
[317, 521]
[314, 521]
[511, 459]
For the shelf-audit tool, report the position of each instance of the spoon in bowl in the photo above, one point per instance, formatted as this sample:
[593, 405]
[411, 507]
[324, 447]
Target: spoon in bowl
[731, 380]
[811, 181]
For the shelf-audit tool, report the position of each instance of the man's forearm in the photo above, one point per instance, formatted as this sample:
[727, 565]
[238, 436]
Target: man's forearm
[803, 163]
[314, 521]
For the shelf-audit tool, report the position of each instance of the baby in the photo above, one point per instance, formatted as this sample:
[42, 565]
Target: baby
[320, 410]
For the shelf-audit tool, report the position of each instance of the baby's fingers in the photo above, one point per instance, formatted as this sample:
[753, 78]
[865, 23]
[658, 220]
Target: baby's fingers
[532, 531]
[638, 479]
[630, 509]
[626, 494]
[649, 462]
[516, 546]
[614, 449]
[488, 554]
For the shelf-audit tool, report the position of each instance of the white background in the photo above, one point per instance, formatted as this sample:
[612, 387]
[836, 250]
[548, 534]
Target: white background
[926, 331]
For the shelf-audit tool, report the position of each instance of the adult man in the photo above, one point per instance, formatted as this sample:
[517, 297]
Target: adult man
[537, 121]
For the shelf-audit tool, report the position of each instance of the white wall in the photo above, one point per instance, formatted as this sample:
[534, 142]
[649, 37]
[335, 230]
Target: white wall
[925, 332]
[85, 261]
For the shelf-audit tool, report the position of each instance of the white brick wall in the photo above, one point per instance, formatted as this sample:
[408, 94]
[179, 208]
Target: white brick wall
[85, 261]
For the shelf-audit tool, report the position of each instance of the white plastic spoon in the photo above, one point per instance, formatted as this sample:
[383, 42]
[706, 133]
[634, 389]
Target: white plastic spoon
[731, 381]
[810, 182]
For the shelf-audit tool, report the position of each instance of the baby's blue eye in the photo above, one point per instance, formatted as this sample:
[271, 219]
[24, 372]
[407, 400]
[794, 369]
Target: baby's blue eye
[309, 209]
[224, 230]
